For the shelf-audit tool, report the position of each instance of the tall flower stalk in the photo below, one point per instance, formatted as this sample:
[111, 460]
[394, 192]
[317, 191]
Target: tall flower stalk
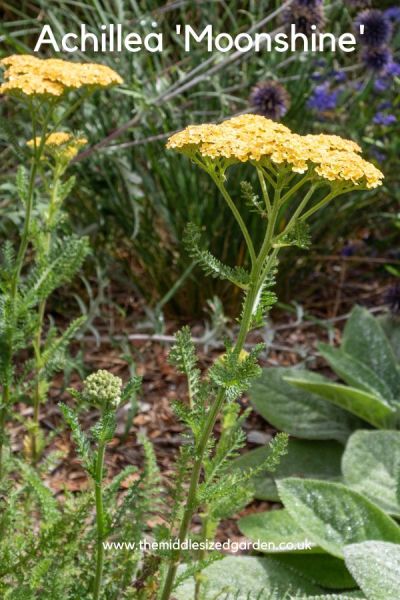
[10, 329]
[297, 175]
[40, 86]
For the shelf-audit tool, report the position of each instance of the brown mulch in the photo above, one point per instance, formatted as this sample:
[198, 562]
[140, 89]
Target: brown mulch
[345, 285]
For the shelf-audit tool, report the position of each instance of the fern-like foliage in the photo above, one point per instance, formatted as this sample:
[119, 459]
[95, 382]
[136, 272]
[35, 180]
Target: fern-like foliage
[60, 267]
[234, 373]
[209, 263]
[183, 357]
[299, 235]
[252, 199]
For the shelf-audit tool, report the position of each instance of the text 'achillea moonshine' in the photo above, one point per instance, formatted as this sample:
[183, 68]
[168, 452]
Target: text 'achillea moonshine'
[253, 138]
[26, 74]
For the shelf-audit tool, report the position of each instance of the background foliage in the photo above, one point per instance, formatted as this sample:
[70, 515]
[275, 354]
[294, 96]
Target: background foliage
[134, 194]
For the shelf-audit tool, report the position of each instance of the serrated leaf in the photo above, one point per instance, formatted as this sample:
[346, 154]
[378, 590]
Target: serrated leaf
[371, 465]
[364, 338]
[306, 459]
[183, 357]
[298, 412]
[376, 568]
[22, 184]
[334, 515]
[276, 531]
[364, 405]
[210, 264]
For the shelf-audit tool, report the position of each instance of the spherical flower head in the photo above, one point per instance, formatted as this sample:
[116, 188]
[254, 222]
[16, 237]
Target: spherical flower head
[377, 28]
[270, 99]
[377, 59]
[304, 16]
[31, 76]
[102, 389]
[260, 141]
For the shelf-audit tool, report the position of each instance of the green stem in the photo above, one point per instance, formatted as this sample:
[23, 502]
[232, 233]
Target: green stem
[6, 394]
[245, 326]
[41, 312]
[99, 521]
[218, 181]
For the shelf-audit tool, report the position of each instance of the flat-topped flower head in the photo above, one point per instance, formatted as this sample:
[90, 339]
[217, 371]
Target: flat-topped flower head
[253, 138]
[60, 144]
[29, 75]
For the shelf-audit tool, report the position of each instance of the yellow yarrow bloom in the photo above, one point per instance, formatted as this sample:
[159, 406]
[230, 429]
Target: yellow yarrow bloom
[60, 144]
[30, 75]
[253, 138]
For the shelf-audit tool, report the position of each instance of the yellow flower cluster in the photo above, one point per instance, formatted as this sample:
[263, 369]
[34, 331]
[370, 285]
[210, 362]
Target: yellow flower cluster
[257, 139]
[61, 144]
[31, 76]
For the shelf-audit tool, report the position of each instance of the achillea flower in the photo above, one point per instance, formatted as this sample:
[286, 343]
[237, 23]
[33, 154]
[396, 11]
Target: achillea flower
[377, 28]
[28, 75]
[60, 144]
[270, 99]
[303, 16]
[253, 138]
[377, 59]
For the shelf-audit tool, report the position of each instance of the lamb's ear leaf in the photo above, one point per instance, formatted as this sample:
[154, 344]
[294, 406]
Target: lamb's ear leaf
[305, 458]
[355, 373]
[325, 570]
[345, 596]
[335, 516]
[371, 464]
[366, 406]
[376, 568]
[298, 412]
[249, 577]
[275, 529]
[364, 338]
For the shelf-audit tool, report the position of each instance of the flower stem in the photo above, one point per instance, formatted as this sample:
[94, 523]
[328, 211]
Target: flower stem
[41, 312]
[258, 271]
[99, 521]
[9, 343]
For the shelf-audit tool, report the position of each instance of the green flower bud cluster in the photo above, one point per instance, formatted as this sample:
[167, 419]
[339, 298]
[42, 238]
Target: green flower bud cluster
[102, 389]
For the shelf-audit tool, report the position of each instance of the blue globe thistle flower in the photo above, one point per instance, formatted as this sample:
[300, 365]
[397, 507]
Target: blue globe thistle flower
[377, 28]
[377, 59]
[323, 98]
[303, 15]
[270, 99]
